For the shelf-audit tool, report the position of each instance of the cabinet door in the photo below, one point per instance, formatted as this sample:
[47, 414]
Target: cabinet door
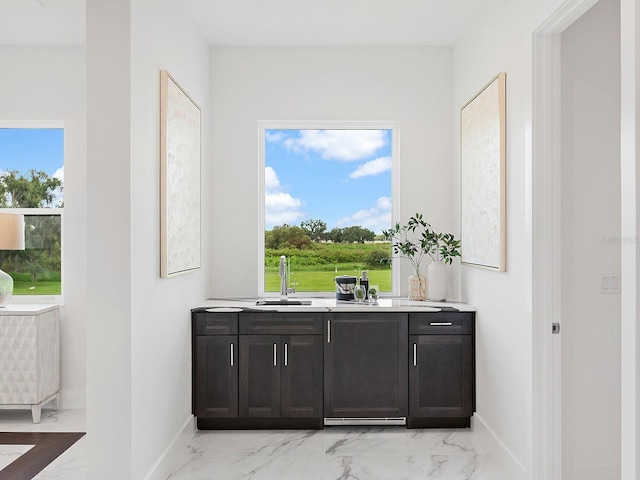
[301, 376]
[365, 365]
[216, 376]
[441, 376]
[259, 375]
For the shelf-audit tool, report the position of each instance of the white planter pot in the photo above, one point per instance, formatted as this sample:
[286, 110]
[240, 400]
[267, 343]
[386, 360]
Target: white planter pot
[437, 273]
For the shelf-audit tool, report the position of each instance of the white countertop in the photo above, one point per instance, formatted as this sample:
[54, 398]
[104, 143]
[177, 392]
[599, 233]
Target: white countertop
[326, 304]
[26, 308]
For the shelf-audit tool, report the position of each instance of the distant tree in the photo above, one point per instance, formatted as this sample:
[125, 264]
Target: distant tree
[286, 236]
[34, 189]
[314, 229]
[357, 234]
[335, 235]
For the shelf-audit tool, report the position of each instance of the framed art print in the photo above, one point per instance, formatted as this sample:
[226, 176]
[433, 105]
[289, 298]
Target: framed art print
[483, 179]
[179, 179]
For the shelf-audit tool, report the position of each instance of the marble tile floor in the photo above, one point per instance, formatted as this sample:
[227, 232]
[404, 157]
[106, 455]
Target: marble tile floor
[70, 465]
[337, 453]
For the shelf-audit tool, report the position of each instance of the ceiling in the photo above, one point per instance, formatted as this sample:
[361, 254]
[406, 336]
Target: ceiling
[42, 22]
[264, 22]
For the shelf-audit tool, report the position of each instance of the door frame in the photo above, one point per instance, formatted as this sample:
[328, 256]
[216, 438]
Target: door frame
[546, 222]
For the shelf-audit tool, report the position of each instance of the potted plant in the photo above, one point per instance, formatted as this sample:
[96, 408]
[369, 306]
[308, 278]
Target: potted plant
[414, 241]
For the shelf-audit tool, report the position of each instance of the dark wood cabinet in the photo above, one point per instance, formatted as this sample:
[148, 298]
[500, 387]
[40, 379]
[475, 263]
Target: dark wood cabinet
[216, 379]
[301, 379]
[441, 371]
[267, 369]
[365, 368]
[215, 364]
[281, 376]
[257, 369]
[259, 376]
[280, 365]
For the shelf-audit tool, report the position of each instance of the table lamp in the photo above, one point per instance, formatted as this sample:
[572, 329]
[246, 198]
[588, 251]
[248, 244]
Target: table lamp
[11, 238]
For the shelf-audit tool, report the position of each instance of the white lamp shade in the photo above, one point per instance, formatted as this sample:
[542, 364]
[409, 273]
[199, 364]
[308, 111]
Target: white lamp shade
[11, 231]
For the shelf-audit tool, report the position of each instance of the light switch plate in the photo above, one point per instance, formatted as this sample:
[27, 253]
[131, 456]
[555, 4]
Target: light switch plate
[610, 283]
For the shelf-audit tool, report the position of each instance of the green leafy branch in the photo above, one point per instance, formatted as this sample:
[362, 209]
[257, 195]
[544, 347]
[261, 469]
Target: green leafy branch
[417, 239]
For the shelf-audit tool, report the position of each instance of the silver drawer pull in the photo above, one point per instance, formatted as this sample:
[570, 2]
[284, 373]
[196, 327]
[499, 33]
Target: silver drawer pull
[285, 355]
[231, 354]
[441, 324]
[328, 331]
[415, 355]
[275, 355]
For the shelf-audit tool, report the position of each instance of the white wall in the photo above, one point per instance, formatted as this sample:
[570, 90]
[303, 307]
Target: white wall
[49, 83]
[408, 85]
[163, 38]
[109, 411]
[500, 39]
[590, 231]
[139, 357]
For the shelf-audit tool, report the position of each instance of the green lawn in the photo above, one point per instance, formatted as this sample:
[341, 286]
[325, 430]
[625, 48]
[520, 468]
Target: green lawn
[41, 288]
[309, 279]
[22, 285]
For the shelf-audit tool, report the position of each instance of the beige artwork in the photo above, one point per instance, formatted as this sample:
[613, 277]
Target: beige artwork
[482, 134]
[180, 179]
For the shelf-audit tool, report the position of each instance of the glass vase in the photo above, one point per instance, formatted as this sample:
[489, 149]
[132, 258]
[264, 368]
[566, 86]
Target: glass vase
[417, 287]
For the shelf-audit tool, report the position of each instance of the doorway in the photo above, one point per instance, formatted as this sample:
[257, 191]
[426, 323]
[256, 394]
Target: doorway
[577, 242]
[590, 244]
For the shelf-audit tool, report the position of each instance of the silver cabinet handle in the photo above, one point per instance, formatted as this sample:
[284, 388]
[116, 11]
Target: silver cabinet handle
[415, 355]
[328, 331]
[231, 354]
[275, 355]
[441, 324]
[285, 355]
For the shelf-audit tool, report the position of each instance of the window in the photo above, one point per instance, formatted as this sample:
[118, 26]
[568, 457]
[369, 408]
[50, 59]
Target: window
[31, 183]
[328, 194]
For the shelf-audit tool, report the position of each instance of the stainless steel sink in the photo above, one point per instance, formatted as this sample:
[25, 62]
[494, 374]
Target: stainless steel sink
[282, 302]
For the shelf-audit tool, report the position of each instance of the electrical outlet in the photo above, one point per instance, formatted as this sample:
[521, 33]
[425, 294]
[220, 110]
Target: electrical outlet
[610, 283]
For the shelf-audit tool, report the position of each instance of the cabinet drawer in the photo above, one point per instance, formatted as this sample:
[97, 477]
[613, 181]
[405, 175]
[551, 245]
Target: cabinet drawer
[441, 323]
[210, 323]
[281, 323]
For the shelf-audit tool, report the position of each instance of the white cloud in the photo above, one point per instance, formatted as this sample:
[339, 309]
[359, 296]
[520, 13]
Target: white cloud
[58, 195]
[372, 168]
[274, 137]
[59, 174]
[376, 218]
[281, 201]
[271, 181]
[342, 145]
[279, 207]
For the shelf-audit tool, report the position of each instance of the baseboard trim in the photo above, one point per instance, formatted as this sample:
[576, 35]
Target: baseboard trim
[166, 462]
[498, 450]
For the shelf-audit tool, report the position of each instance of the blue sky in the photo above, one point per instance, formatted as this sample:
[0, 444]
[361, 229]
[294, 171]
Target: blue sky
[342, 177]
[24, 149]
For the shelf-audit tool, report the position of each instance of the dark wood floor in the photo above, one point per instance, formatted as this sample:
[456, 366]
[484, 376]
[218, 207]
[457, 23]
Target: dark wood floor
[48, 446]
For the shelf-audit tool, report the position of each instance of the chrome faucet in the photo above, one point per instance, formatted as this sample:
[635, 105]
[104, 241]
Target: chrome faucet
[283, 276]
[284, 291]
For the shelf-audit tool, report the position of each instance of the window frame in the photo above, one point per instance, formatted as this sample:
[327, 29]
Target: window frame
[41, 299]
[263, 126]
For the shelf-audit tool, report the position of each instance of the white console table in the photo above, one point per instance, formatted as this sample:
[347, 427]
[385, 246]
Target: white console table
[29, 356]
